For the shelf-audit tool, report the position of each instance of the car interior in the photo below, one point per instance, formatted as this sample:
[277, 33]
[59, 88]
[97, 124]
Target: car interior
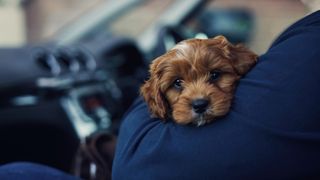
[56, 93]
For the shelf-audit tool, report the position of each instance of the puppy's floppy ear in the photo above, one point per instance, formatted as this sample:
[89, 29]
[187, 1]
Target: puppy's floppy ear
[151, 91]
[241, 58]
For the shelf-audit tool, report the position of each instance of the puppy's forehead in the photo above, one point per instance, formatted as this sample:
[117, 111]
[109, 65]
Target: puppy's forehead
[200, 54]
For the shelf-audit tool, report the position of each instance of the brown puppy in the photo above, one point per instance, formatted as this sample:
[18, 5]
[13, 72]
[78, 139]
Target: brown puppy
[194, 82]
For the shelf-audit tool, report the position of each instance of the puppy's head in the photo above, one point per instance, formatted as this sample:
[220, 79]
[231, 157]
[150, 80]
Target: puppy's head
[194, 82]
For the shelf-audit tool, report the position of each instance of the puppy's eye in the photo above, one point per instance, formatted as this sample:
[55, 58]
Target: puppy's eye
[178, 84]
[214, 75]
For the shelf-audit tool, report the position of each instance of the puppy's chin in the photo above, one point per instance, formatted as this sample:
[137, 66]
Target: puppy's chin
[190, 117]
[184, 115]
[200, 122]
[202, 119]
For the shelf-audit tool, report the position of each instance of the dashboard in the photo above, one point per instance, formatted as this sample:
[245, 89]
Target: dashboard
[57, 95]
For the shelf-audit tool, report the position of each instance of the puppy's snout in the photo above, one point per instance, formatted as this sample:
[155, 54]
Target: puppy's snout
[200, 105]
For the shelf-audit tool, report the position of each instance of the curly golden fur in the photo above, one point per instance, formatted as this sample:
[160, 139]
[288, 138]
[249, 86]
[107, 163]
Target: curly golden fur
[194, 82]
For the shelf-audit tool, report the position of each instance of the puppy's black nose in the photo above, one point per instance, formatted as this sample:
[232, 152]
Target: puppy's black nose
[200, 105]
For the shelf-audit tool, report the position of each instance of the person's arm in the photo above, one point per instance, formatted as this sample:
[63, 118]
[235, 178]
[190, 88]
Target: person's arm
[271, 132]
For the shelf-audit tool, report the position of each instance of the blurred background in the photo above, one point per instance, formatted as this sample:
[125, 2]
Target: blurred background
[70, 69]
[33, 21]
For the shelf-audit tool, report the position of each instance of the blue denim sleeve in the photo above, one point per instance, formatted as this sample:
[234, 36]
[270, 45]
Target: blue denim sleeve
[271, 132]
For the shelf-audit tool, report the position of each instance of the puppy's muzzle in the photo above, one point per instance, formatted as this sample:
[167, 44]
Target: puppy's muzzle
[199, 106]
